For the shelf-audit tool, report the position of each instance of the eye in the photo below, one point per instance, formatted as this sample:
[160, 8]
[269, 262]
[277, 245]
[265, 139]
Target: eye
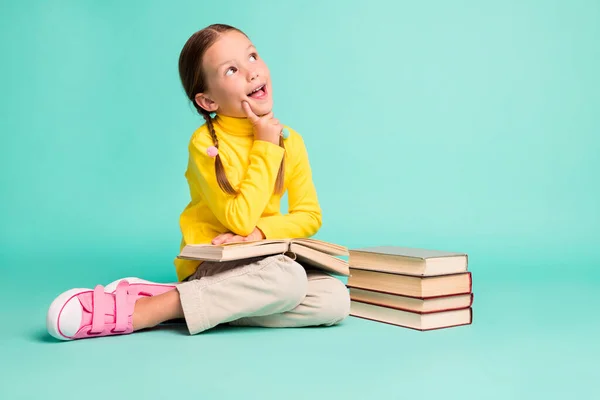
[230, 71]
[253, 57]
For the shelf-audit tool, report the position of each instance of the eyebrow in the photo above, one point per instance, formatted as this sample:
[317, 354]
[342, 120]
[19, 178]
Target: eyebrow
[229, 61]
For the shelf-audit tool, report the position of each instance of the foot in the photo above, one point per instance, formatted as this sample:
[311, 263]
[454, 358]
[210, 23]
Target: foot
[86, 313]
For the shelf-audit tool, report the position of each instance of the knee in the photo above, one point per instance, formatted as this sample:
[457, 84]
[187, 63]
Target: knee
[334, 302]
[291, 281]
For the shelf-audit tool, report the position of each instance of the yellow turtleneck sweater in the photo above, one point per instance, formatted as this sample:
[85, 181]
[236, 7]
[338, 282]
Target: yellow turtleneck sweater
[251, 167]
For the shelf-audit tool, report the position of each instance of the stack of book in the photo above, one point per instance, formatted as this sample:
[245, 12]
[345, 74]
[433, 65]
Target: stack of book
[413, 288]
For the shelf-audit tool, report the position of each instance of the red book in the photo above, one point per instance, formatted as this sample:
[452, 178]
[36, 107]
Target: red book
[413, 320]
[412, 304]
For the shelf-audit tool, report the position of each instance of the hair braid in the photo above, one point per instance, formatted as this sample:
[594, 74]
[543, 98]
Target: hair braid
[281, 174]
[222, 180]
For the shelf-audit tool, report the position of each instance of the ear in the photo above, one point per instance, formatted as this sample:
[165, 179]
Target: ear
[205, 102]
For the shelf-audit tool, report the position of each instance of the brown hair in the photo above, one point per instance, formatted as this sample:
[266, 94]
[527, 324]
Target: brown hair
[194, 82]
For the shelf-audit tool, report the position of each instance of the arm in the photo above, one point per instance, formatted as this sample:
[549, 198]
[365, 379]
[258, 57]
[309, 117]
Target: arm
[238, 213]
[304, 217]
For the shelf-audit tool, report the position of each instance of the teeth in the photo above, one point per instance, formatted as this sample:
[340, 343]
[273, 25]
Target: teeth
[257, 89]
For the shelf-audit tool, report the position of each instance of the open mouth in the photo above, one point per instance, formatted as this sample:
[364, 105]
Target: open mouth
[259, 93]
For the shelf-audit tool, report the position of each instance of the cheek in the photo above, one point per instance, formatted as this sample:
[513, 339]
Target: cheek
[264, 69]
[235, 89]
[225, 92]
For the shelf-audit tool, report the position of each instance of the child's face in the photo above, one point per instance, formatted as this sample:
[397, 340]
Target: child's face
[233, 70]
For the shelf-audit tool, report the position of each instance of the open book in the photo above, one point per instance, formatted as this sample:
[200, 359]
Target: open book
[312, 252]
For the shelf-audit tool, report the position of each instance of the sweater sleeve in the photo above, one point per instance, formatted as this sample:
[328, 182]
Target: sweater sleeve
[304, 216]
[239, 213]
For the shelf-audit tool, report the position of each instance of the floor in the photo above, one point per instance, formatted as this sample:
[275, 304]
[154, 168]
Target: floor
[531, 338]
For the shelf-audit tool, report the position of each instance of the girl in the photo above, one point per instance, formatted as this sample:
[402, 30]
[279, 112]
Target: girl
[241, 161]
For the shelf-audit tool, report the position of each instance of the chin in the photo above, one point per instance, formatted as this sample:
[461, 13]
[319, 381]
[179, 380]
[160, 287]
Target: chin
[266, 109]
[262, 109]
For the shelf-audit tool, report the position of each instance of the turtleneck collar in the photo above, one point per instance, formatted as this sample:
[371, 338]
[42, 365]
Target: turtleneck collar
[234, 126]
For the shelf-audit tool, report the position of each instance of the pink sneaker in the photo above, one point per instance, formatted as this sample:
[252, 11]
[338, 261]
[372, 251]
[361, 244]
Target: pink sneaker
[86, 313]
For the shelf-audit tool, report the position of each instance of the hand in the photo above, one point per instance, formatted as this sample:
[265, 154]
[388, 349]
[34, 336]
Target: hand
[229, 237]
[266, 127]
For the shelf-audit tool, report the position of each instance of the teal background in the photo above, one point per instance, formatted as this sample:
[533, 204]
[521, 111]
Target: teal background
[467, 125]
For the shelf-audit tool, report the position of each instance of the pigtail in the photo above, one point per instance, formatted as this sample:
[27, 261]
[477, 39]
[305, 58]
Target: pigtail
[222, 180]
[281, 174]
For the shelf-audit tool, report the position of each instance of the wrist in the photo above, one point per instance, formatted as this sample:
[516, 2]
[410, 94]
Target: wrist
[259, 233]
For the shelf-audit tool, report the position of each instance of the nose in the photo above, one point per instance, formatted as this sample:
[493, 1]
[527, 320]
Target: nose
[252, 74]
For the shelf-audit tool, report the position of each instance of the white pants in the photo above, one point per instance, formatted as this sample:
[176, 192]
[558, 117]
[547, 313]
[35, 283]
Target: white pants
[273, 291]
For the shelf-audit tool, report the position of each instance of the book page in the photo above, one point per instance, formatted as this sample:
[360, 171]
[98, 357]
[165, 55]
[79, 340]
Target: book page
[322, 246]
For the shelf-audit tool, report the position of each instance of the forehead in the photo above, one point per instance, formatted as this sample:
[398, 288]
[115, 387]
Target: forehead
[229, 46]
